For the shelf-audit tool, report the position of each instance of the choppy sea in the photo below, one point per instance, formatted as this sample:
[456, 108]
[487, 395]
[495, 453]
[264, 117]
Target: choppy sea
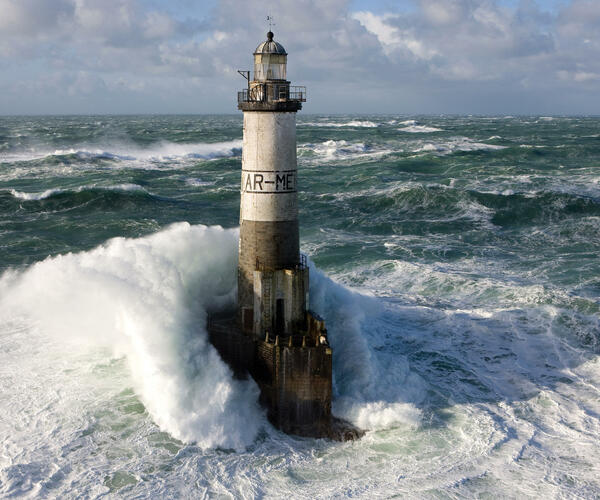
[454, 259]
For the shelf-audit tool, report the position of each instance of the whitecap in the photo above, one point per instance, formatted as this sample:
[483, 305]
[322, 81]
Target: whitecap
[372, 392]
[35, 196]
[352, 123]
[146, 299]
[163, 151]
[338, 150]
[331, 149]
[456, 144]
[195, 182]
[51, 192]
[420, 129]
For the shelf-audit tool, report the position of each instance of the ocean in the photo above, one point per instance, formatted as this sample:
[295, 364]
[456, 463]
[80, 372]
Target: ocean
[454, 259]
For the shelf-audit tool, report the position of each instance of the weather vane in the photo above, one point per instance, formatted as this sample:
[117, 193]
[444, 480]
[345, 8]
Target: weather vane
[271, 23]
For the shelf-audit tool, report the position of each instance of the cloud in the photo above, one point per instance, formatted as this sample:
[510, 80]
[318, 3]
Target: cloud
[446, 55]
[580, 17]
[32, 18]
[394, 38]
[463, 39]
[443, 12]
[121, 23]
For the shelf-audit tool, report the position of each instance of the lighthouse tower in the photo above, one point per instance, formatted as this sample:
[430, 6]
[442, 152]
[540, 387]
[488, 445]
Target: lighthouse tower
[273, 336]
[272, 276]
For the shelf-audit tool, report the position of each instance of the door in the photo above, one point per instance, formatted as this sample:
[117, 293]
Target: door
[279, 317]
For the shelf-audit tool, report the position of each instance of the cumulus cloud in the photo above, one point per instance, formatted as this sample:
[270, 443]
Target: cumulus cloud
[439, 55]
[463, 39]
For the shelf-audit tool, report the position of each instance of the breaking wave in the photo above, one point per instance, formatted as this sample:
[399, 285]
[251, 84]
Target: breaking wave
[413, 127]
[371, 391]
[352, 123]
[48, 193]
[460, 144]
[159, 152]
[145, 300]
[335, 150]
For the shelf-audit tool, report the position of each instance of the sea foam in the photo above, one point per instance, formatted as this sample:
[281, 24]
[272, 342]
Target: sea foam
[54, 191]
[414, 128]
[462, 144]
[146, 299]
[352, 123]
[370, 390]
[332, 150]
[158, 152]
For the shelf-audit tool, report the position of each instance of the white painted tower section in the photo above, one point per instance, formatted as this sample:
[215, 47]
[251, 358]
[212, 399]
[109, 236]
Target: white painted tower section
[269, 167]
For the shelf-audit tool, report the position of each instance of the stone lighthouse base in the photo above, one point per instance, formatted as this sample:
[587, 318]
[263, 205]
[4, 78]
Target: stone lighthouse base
[293, 374]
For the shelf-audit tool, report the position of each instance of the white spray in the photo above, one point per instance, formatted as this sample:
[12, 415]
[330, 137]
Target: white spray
[146, 299]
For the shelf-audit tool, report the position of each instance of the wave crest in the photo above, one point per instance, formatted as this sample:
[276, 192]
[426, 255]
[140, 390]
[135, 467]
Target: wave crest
[459, 144]
[146, 299]
[352, 123]
[48, 193]
[372, 391]
[414, 128]
[163, 151]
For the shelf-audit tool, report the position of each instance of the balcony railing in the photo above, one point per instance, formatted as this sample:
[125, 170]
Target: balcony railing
[272, 92]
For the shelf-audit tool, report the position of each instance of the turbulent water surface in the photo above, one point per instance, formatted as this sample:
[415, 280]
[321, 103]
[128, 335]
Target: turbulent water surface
[455, 260]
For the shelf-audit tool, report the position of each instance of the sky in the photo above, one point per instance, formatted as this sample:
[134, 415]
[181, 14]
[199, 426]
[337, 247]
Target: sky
[355, 56]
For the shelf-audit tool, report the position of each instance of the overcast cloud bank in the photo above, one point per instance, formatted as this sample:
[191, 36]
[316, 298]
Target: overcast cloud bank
[427, 56]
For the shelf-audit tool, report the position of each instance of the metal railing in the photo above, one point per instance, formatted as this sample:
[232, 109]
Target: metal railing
[272, 92]
[297, 93]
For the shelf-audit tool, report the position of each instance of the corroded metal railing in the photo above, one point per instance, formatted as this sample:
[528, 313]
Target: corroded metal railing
[272, 92]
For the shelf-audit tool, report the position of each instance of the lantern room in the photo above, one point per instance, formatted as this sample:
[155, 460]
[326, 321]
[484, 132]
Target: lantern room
[270, 60]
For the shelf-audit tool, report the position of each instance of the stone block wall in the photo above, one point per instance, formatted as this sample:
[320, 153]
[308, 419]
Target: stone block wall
[295, 381]
[298, 396]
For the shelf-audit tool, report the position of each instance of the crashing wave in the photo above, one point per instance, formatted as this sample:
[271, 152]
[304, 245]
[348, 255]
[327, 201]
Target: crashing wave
[146, 300]
[353, 123]
[48, 193]
[160, 152]
[462, 144]
[419, 129]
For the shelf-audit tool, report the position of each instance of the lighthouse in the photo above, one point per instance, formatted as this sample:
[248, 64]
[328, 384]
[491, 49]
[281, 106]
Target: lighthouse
[272, 335]
[272, 276]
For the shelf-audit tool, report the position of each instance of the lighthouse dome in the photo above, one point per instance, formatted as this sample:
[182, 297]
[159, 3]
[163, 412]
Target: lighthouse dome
[270, 47]
[270, 59]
